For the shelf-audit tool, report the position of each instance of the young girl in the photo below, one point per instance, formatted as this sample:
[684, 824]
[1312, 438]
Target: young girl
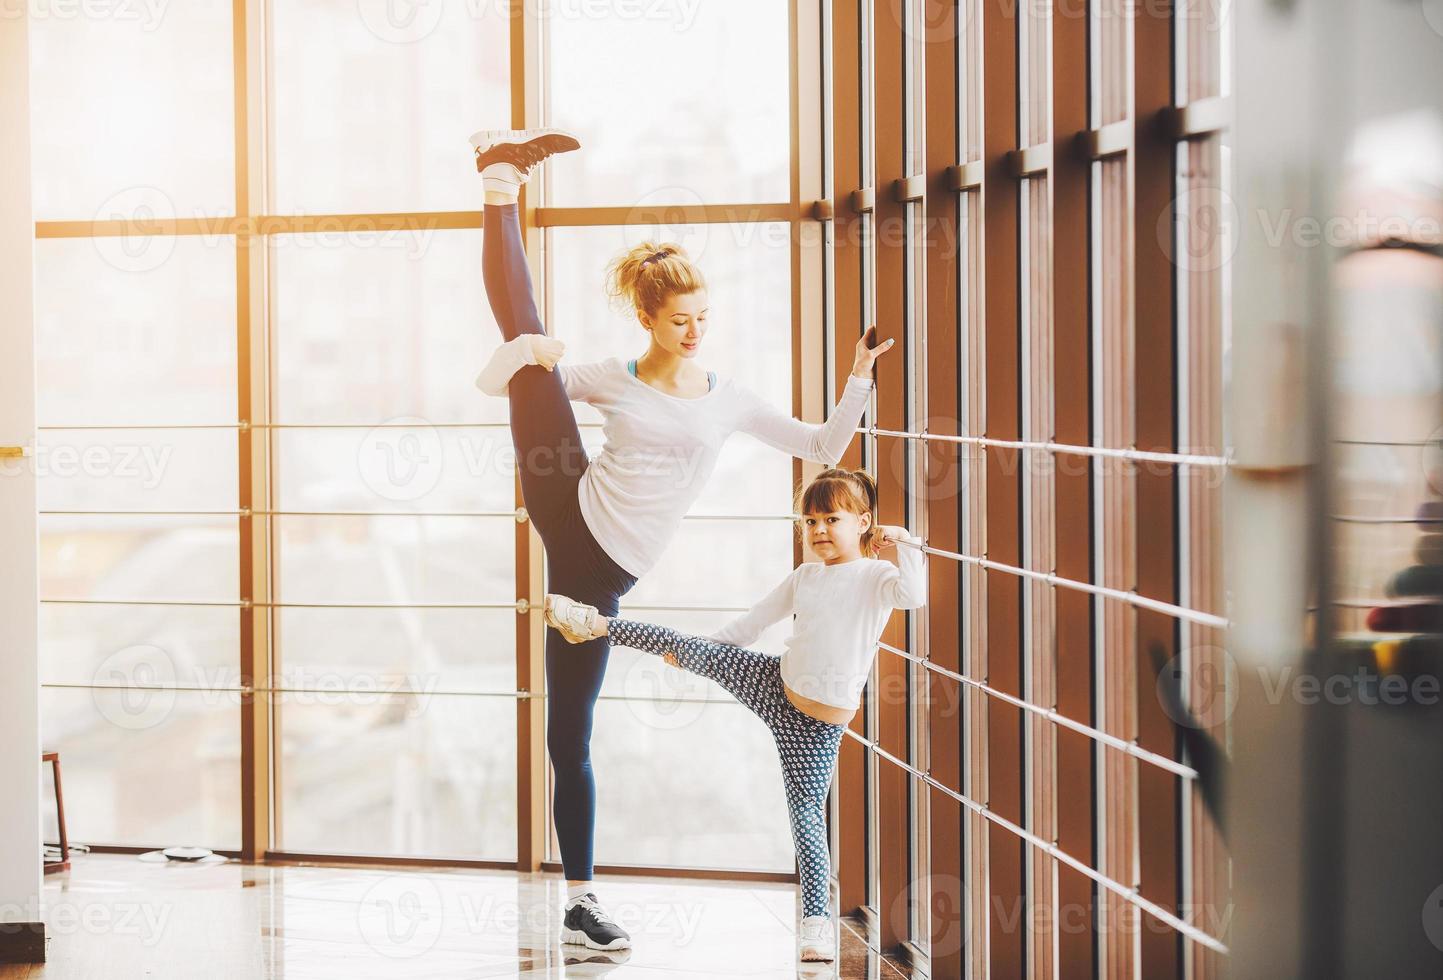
[809, 694]
[606, 521]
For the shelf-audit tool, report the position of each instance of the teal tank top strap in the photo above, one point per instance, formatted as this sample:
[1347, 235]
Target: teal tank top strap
[710, 375]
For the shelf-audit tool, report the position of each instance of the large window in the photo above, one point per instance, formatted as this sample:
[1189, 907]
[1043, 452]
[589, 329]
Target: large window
[273, 501]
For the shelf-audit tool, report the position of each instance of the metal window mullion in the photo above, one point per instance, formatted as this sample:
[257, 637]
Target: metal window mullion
[252, 394]
[1069, 182]
[846, 141]
[890, 139]
[1153, 193]
[944, 488]
[1005, 885]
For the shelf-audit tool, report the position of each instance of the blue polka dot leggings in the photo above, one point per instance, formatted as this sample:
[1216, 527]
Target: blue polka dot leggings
[808, 746]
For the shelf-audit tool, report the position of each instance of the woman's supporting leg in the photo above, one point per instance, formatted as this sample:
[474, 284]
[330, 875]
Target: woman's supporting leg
[741, 673]
[808, 749]
[579, 567]
[549, 452]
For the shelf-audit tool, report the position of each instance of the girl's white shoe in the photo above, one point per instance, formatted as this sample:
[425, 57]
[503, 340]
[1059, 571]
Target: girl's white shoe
[576, 621]
[817, 941]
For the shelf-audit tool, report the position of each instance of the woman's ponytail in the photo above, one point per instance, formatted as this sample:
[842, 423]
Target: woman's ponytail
[645, 277]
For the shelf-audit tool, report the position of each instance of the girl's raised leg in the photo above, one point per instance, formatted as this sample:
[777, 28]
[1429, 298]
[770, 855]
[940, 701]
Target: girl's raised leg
[741, 673]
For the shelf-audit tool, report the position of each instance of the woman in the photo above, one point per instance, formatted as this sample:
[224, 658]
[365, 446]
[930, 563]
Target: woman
[605, 521]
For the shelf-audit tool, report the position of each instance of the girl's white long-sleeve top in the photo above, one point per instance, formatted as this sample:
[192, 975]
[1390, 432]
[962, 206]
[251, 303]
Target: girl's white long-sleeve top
[840, 613]
[660, 449]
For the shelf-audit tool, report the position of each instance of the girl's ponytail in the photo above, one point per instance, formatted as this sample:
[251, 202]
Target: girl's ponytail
[871, 541]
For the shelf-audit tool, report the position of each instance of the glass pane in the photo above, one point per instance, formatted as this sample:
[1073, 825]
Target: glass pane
[375, 116]
[696, 788]
[419, 776]
[396, 559]
[132, 109]
[135, 469]
[189, 646]
[135, 330]
[718, 563]
[139, 558]
[398, 649]
[674, 103]
[146, 768]
[378, 325]
[400, 467]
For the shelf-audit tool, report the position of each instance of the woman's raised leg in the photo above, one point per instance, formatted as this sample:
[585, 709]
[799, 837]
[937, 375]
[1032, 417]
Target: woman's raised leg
[549, 452]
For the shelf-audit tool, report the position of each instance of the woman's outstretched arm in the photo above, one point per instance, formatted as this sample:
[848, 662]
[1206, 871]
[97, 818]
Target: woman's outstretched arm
[825, 442]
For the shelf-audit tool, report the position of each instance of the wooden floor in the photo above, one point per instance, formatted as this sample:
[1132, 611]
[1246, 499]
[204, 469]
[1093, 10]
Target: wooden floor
[115, 917]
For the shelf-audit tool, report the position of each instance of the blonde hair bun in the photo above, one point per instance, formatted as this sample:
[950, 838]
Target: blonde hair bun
[645, 276]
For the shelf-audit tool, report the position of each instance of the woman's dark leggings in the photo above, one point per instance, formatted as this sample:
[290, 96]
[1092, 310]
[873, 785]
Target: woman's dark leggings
[551, 459]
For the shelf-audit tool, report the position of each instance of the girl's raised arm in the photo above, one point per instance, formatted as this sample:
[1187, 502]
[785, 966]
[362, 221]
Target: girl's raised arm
[778, 603]
[905, 586]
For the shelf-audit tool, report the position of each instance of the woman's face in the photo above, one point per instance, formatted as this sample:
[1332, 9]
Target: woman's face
[680, 324]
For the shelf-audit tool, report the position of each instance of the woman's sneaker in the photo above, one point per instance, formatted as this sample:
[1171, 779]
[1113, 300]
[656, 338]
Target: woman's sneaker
[574, 620]
[506, 157]
[586, 923]
[816, 941]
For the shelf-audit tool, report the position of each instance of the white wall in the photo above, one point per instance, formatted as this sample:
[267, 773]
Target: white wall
[20, 870]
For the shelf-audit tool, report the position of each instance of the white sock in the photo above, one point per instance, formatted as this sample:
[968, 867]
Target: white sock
[573, 892]
[503, 179]
[510, 357]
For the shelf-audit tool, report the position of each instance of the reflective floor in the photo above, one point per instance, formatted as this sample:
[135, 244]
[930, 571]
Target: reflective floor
[116, 916]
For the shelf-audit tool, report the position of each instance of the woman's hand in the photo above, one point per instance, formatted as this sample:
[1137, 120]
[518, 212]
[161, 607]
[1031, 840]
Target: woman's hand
[547, 350]
[670, 658]
[867, 354]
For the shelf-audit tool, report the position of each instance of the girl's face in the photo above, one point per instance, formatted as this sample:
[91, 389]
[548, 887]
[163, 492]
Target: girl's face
[836, 537]
[680, 324]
